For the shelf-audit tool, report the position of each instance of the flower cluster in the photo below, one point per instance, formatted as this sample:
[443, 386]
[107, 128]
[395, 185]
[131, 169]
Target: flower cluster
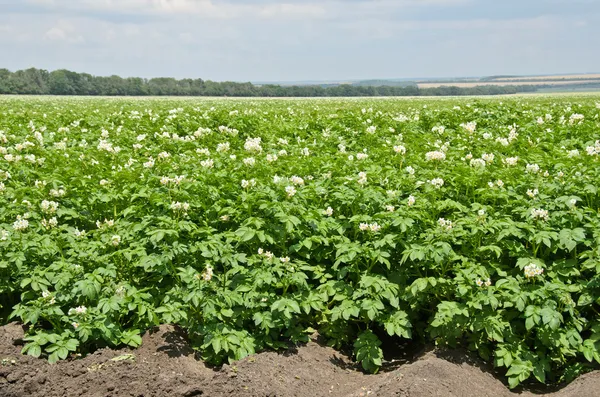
[533, 270]
[445, 224]
[481, 283]
[435, 156]
[371, 227]
[437, 182]
[538, 213]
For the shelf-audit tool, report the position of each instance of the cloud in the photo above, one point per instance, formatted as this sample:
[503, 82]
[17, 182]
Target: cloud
[64, 32]
[268, 40]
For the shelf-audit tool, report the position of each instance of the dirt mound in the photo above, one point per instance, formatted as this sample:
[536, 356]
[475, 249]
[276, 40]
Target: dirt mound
[165, 365]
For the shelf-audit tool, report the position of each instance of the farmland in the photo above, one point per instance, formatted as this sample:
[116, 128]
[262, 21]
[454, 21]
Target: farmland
[252, 224]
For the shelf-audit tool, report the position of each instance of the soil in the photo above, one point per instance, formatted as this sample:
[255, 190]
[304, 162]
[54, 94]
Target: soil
[165, 365]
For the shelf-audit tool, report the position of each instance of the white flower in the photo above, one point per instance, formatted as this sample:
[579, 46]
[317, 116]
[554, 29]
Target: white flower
[271, 158]
[533, 270]
[208, 163]
[361, 156]
[296, 180]
[488, 157]
[20, 224]
[511, 161]
[373, 227]
[79, 233]
[362, 178]
[248, 184]
[223, 147]
[470, 126]
[435, 156]
[350, 157]
[411, 201]
[532, 168]
[149, 163]
[539, 214]
[410, 170]
[305, 152]
[481, 212]
[477, 163]
[499, 183]
[572, 202]
[573, 153]
[390, 208]
[141, 137]
[50, 223]
[79, 310]
[400, 149]
[481, 283]
[371, 129]
[207, 274]
[163, 155]
[285, 259]
[224, 218]
[290, 190]
[532, 193]
[593, 150]
[576, 118]
[445, 224]
[469, 156]
[250, 161]
[328, 211]
[115, 240]
[57, 192]
[179, 207]
[437, 182]
[4, 235]
[502, 141]
[253, 145]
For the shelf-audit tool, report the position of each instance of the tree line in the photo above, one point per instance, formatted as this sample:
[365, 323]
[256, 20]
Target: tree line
[64, 82]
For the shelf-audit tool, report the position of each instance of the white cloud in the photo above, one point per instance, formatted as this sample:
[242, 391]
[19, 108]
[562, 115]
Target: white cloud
[63, 31]
[270, 40]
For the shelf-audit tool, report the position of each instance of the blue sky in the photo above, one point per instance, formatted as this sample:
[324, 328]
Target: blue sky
[297, 40]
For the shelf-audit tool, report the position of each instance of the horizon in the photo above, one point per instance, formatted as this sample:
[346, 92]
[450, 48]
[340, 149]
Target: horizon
[332, 81]
[301, 40]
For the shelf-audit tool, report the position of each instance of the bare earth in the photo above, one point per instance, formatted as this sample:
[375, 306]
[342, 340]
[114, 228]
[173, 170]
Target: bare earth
[165, 366]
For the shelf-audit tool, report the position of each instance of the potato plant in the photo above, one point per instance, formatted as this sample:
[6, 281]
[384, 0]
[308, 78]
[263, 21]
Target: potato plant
[251, 224]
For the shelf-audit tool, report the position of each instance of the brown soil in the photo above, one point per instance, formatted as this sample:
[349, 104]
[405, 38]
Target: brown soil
[165, 366]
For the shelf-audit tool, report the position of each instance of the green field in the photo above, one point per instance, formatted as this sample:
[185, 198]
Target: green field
[253, 223]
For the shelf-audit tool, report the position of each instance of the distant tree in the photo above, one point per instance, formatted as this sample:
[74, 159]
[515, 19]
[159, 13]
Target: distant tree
[64, 82]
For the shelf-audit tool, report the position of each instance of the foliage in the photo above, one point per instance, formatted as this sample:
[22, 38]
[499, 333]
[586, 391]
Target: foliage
[65, 82]
[254, 223]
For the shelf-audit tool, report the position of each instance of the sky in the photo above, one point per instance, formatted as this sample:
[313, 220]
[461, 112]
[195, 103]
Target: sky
[301, 40]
